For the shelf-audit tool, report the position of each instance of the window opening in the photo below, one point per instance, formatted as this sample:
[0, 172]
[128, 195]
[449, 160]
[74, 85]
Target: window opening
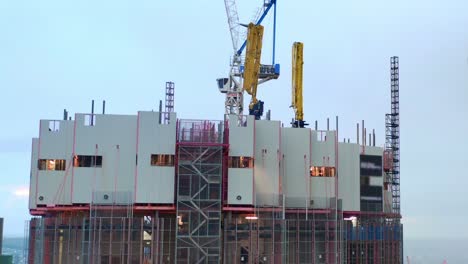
[322, 171]
[87, 161]
[241, 162]
[162, 160]
[51, 164]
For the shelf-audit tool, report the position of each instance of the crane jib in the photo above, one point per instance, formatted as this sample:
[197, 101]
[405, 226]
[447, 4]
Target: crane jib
[272, 2]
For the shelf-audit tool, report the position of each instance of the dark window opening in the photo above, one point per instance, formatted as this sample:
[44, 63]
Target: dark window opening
[87, 161]
[241, 162]
[162, 160]
[322, 171]
[51, 164]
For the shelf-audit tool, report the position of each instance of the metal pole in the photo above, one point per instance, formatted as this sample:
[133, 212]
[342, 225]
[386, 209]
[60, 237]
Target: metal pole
[316, 125]
[103, 107]
[92, 112]
[274, 34]
[328, 124]
[160, 110]
[357, 133]
[373, 137]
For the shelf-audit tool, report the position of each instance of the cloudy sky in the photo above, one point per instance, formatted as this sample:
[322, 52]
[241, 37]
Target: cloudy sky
[62, 54]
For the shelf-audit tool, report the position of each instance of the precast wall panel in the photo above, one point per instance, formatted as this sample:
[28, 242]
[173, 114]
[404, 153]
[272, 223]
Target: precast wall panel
[241, 136]
[114, 138]
[349, 178]
[155, 184]
[295, 166]
[241, 144]
[323, 154]
[55, 143]
[240, 186]
[266, 169]
[323, 148]
[322, 189]
[33, 173]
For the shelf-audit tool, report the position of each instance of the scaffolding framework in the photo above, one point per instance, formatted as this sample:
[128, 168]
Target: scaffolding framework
[169, 103]
[198, 237]
[392, 135]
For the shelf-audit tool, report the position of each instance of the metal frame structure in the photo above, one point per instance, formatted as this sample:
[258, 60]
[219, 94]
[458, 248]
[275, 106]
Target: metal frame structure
[169, 104]
[392, 135]
[200, 158]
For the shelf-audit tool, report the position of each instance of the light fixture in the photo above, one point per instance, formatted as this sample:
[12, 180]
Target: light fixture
[251, 217]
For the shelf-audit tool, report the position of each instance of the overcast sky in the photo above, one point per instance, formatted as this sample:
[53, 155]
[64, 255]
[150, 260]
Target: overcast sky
[62, 54]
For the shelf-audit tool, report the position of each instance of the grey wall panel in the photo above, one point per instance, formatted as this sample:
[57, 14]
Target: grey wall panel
[266, 168]
[241, 136]
[323, 148]
[240, 186]
[348, 176]
[33, 173]
[295, 166]
[322, 189]
[55, 142]
[114, 138]
[155, 184]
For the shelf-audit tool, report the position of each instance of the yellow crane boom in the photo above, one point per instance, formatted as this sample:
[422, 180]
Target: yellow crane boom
[297, 73]
[252, 67]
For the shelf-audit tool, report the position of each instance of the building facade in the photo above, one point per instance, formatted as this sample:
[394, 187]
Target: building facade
[148, 189]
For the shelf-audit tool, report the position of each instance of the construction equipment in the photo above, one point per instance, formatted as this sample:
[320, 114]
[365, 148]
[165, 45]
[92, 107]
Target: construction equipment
[252, 68]
[233, 85]
[297, 73]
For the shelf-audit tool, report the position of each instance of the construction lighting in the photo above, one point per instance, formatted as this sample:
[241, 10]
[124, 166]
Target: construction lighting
[351, 218]
[251, 217]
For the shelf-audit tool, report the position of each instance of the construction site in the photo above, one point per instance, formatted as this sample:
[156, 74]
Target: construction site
[152, 187]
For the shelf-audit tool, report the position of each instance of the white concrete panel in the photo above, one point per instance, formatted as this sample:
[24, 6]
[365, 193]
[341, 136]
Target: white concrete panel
[266, 167]
[241, 137]
[295, 166]
[114, 138]
[155, 184]
[323, 148]
[322, 190]
[55, 142]
[240, 184]
[33, 173]
[349, 176]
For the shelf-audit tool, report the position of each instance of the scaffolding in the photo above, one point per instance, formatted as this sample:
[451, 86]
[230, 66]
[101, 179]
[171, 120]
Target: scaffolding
[373, 239]
[169, 104]
[199, 185]
[289, 237]
[110, 238]
[392, 136]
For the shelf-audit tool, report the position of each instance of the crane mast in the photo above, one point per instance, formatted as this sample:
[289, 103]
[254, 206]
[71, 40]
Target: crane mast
[297, 74]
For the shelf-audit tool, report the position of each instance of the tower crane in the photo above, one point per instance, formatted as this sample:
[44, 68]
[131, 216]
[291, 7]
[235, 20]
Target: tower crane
[297, 73]
[233, 85]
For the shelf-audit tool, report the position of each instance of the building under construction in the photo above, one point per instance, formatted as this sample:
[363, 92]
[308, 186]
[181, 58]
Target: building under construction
[154, 188]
